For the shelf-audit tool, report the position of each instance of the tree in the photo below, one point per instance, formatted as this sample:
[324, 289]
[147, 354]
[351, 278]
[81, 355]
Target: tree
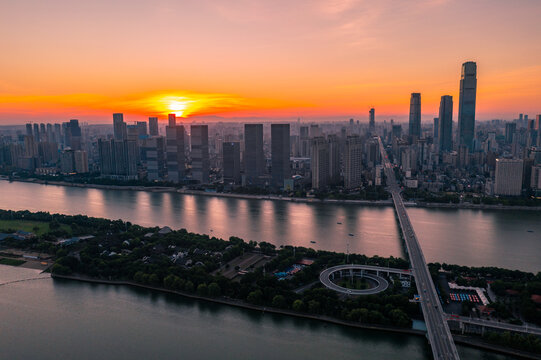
[202, 289]
[154, 279]
[279, 301]
[189, 287]
[313, 306]
[255, 297]
[168, 281]
[214, 290]
[298, 305]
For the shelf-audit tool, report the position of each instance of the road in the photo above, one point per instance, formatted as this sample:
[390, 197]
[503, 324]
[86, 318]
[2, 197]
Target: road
[438, 332]
[382, 284]
[496, 325]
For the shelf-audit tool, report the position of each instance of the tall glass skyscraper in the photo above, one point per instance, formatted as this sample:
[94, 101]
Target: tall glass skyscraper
[281, 169]
[415, 116]
[466, 104]
[254, 157]
[372, 121]
[445, 123]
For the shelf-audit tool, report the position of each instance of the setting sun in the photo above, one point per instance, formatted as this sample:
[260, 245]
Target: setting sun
[177, 105]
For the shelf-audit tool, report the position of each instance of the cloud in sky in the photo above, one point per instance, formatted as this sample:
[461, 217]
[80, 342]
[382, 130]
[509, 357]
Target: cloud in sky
[308, 57]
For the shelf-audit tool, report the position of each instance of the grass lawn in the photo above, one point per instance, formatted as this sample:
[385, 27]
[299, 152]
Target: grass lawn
[12, 262]
[29, 226]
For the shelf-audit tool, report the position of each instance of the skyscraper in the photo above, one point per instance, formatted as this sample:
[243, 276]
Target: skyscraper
[119, 127]
[436, 129]
[153, 126]
[200, 153]
[174, 152]
[334, 159]
[172, 118]
[73, 134]
[154, 158]
[319, 162]
[142, 129]
[510, 129]
[352, 162]
[254, 158]
[508, 177]
[415, 116]
[445, 131]
[466, 104]
[118, 158]
[231, 162]
[372, 121]
[280, 154]
[538, 129]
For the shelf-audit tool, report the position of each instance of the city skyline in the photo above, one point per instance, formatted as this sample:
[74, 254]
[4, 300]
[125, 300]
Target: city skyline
[240, 65]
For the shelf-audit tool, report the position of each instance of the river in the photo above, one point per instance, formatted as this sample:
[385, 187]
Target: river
[509, 239]
[55, 319]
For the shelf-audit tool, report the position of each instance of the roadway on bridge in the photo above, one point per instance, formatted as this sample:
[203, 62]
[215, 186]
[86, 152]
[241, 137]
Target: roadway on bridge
[439, 335]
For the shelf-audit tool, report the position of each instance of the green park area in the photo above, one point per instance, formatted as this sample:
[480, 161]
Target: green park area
[36, 227]
[12, 262]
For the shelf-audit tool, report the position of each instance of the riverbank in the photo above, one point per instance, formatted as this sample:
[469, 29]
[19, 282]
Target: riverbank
[459, 339]
[162, 189]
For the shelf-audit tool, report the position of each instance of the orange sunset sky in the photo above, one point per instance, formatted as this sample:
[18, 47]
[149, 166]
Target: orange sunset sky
[314, 59]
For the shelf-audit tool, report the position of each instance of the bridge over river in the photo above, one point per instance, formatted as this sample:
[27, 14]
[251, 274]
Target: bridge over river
[438, 332]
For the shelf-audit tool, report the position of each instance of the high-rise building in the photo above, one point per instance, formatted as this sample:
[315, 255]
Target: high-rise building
[538, 129]
[319, 163]
[80, 161]
[415, 116]
[508, 177]
[304, 141]
[353, 162]
[57, 133]
[67, 165]
[118, 158]
[510, 129]
[73, 135]
[119, 127]
[153, 157]
[396, 131]
[132, 132]
[445, 132]
[435, 130]
[254, 158]
[36, 133]
[466, 104]
[334, 159]
[281, 169]
[175, 160]
[153, 126]
[231, 162]
[200, 153]
[29, 129]
[142, 129]
[172, 119]
[372, 121]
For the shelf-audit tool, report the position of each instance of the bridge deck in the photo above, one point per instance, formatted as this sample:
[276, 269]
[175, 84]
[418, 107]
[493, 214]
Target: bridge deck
[438, 332]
